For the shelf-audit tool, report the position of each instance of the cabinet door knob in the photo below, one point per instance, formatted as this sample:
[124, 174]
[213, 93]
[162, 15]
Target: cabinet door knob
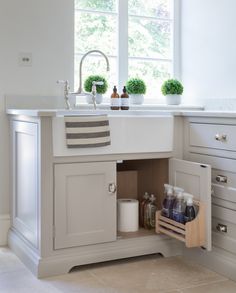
[221, 228]
[221, 137]
[221, 179]
[112, 188]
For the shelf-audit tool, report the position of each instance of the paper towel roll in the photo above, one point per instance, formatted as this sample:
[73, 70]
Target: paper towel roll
[127, 210]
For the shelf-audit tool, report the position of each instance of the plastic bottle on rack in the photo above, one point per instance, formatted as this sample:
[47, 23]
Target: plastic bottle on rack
[168, 203]
[190, 213]
[179, 206]
[150, 213]
[143, 203]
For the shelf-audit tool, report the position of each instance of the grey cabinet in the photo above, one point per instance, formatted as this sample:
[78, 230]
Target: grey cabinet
[25, 189]
[84, 203]
[195, 178]
[212, 141]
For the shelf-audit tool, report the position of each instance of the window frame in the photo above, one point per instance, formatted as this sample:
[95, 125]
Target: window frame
[123, 47]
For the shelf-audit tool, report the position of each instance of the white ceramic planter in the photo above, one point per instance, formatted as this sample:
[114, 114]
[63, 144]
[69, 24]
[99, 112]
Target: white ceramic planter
[136, 99]
[99, 98]
[173, 99]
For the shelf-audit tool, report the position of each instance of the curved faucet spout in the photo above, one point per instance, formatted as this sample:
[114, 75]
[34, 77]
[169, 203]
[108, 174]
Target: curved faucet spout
[81, 65]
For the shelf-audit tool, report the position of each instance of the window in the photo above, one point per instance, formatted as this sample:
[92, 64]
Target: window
[136, 35]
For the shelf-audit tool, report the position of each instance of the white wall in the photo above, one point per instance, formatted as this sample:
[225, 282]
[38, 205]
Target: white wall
[44, 28]
[209, 49]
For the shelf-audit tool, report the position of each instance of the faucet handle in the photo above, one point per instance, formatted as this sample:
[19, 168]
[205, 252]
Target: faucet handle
[65, 82]
[98, 83]
[66, 85]
[94, 84]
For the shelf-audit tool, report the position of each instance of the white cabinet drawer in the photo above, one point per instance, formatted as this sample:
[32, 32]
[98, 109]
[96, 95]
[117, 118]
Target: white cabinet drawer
[224, 214]
[224, 203]
[224, 228]
[224, 185]
[215, 136]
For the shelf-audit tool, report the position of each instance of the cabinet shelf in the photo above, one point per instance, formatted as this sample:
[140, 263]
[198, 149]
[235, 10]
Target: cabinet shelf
[140, 233]
[192, 233]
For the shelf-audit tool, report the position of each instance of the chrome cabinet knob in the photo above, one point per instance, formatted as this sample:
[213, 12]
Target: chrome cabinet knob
[112, 188]
[221, 137]
[221, 228]
[221, 179]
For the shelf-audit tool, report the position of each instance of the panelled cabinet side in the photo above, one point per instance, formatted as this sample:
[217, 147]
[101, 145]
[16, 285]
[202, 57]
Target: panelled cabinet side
[25, 169]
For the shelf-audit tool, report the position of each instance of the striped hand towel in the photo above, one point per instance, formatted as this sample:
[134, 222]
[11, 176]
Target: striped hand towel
[87, 131]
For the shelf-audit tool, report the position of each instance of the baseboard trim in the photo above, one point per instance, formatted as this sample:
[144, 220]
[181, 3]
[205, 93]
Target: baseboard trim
[4, 228]
[218, 260]
[61, 263]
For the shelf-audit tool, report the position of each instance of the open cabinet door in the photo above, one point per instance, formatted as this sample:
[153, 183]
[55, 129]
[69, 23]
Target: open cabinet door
[194, 178]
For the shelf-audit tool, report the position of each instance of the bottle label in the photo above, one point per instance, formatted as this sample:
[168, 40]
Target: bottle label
[167, 212]
[178, 217]
[125, 102]
[115, 102]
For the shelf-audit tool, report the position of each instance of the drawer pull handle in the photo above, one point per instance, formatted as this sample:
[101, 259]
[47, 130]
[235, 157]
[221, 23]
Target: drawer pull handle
[112, 188]
[221, 179]
[221, 137]
[221, 228]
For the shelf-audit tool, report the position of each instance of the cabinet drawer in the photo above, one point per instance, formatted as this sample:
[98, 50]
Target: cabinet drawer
[224, 228]
[224, 203]
[224, 185]
[224, 214]
[215, 136]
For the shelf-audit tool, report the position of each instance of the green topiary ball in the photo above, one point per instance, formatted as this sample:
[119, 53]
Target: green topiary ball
[101, 89]
[172, 87]
[136, 86]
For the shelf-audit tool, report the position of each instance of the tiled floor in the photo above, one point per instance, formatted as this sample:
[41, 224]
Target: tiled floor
[138, 275]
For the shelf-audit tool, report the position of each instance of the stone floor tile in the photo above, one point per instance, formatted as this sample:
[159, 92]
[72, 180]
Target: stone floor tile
[218, 287]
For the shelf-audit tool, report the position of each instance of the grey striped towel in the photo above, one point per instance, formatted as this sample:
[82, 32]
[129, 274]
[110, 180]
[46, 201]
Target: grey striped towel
[87, 131]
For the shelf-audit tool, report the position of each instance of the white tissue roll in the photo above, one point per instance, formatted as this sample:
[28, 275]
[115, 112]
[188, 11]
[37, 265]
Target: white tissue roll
[128, 210]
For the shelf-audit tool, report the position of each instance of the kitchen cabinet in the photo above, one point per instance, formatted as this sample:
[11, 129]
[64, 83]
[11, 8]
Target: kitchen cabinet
[195, 179]
[84, 204]
[212, 141]
[70, 217]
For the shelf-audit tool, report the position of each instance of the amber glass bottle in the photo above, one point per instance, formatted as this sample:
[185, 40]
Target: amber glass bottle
[115, 100]
[124, 100]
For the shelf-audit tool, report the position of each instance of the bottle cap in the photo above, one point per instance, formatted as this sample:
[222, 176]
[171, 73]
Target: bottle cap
[152, 197]
[190, 201]
[114, 88]
[166, 186]
[124, 89]
[178, 191]
[187, 195]
[168, 189]
[146, 195]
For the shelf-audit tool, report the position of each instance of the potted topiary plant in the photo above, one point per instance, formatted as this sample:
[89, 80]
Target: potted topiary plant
[101, 89]
[136, 88]
[172, 89]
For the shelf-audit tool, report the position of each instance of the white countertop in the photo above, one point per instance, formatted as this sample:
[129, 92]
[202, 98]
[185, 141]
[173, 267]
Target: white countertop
[176, 112]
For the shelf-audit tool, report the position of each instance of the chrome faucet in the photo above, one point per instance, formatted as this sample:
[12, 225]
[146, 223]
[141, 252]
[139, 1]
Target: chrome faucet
[80, 91]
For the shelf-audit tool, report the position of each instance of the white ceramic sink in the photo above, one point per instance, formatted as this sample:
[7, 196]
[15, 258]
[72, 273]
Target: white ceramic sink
[131, 132]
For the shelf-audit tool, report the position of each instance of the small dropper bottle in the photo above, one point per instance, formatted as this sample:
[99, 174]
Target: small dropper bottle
[115, 100]
[124, 100]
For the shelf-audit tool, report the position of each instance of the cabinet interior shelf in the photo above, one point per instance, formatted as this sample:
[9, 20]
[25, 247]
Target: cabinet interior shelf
[140, 233]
